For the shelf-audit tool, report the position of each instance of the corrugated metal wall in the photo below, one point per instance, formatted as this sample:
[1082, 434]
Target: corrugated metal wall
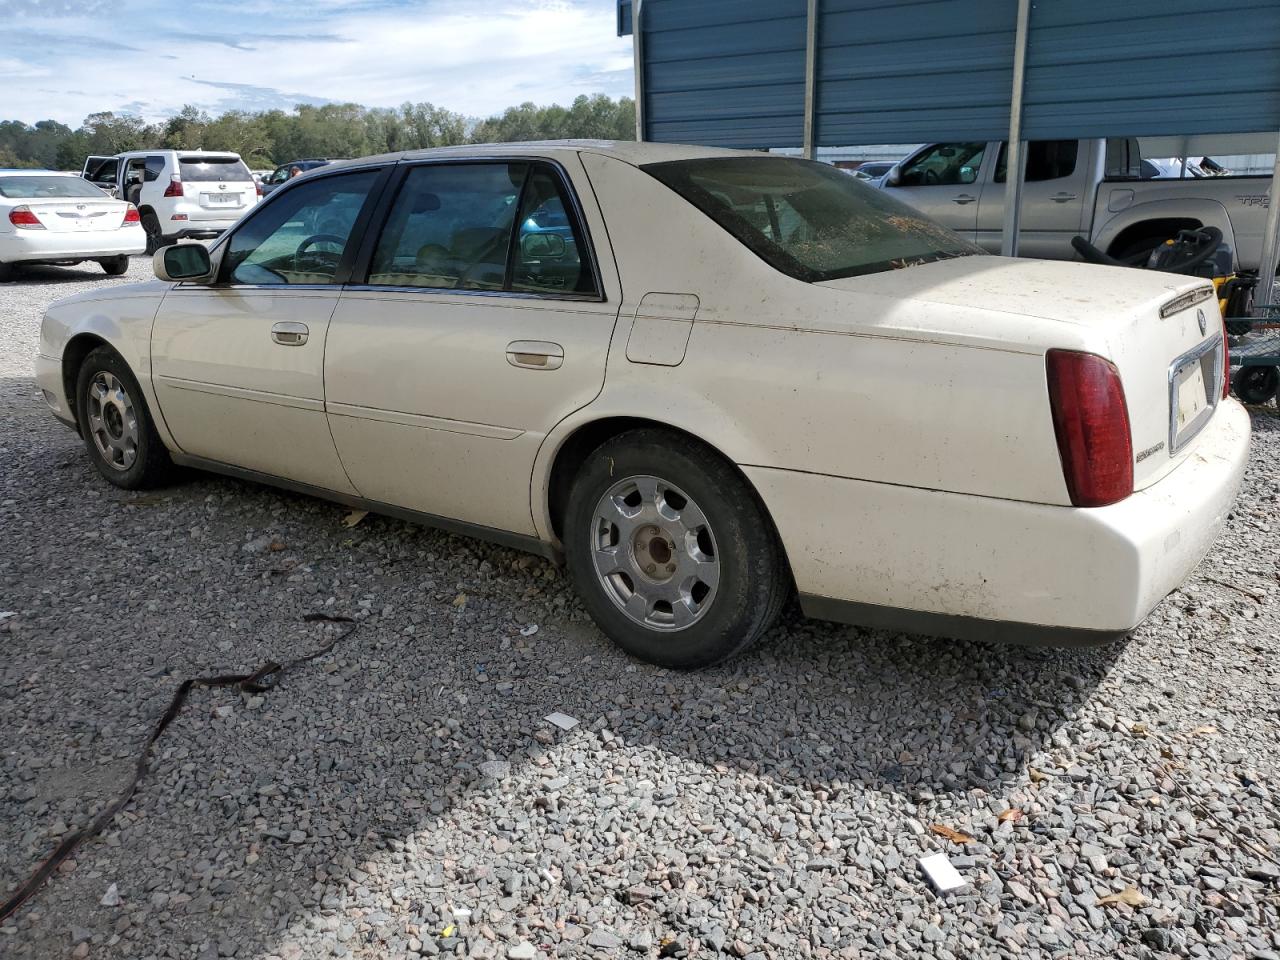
[731, 72]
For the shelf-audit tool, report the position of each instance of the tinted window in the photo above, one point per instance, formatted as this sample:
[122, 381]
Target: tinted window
[807, 219]
[1046, 160]
[154, 167]
[104, 171]
[549, 257]
[37, 187]
[225, 169]
[943, 164]
[450, 227]
[300, 236]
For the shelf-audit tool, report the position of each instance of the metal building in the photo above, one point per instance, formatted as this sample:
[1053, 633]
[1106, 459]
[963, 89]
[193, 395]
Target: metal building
[786, 73]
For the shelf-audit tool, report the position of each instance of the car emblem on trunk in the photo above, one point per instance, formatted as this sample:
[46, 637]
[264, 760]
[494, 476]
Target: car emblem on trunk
[222, 186]
[80, 206]
[1204, 324]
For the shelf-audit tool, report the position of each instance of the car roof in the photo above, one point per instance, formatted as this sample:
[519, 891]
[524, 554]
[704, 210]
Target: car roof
[626, 150]
[43, 173]
[180, 153]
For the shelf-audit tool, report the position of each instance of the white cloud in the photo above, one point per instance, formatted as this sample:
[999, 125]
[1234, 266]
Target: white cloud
[475, 57]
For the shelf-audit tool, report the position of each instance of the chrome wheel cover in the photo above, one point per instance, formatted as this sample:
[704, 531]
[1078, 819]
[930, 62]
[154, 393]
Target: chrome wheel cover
[113, 421]
[654, 553]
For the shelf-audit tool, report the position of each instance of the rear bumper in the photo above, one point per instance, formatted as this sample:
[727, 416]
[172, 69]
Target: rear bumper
[37, 246]
[979, 567]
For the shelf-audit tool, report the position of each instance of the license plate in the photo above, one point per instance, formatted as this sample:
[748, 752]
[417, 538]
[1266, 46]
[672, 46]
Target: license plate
[1193, 389]
[1191, 395]
[222, 199]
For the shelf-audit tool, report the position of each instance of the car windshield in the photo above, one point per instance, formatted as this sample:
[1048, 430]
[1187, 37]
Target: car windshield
[40, 188]
[214, 168]
[807, 219]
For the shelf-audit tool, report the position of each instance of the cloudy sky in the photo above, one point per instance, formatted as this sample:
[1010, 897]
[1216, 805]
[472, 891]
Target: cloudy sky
[65, 59]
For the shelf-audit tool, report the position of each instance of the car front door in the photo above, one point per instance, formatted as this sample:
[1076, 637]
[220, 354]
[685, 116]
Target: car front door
[1054, 193]
[482, 319]
[238, 366]
[943, 182]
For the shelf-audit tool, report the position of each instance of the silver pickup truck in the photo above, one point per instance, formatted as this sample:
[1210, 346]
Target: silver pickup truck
[1090, 188]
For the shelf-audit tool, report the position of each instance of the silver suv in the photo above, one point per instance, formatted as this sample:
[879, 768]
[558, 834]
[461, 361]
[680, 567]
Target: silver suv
[180, 194]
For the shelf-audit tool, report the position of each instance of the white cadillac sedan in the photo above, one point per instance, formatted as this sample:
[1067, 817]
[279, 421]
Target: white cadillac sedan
[58, 218]
[705, 379]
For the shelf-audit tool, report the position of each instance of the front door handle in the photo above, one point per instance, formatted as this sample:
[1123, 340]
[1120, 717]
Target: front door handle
[535, 354]
[964, 198]
[289, 333]
[1063, 197]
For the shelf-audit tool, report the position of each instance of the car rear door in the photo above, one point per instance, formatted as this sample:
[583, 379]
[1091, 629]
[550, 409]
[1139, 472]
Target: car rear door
[481, 319]
[1054, 196]
[102, 172]
[238, 366]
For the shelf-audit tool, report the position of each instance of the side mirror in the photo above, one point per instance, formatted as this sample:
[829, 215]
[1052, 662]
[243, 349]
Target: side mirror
[542, 246]
[184, 261]
[894, 177]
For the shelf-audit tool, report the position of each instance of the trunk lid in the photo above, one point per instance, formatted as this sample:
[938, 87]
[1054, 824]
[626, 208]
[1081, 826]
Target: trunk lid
[1171, 366]
[78, 215]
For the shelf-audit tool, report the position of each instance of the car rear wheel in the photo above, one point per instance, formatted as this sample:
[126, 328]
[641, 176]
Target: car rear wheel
[7, 272]
[155, 238]
[672, 552]
[114, 266]
[115, 424]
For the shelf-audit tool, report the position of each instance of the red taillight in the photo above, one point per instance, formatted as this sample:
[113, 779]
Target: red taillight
[24, 217]
[1091, 421]
[1226, 364]
[257, 186]
[174, 189]
[131, 215]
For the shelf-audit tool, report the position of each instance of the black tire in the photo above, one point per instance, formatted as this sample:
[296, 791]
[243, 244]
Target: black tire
[8, 272]
[149, 465]
[1255, 384]
[753, 581]
[155, 236]
[114, 266]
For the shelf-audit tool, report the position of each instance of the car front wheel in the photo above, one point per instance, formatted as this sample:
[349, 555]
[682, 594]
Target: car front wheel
[115, 424]
[671, 550]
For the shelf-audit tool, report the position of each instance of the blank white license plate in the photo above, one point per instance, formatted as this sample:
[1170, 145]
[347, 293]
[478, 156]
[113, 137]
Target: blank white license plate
[222, 199]
[1191, 395]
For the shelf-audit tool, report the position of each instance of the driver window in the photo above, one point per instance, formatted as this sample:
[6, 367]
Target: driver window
[300, 237]
[450, 227]
[943, 164]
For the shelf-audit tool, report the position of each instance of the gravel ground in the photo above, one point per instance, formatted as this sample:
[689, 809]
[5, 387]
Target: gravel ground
[403, 795]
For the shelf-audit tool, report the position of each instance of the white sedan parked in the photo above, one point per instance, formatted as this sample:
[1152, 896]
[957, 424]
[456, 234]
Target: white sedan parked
[706, 379]
[58, 218]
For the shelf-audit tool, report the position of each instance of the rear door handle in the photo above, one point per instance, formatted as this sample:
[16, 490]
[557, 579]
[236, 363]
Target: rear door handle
[964, 198]
[289, 333]
[535, 354]
[1063, 197]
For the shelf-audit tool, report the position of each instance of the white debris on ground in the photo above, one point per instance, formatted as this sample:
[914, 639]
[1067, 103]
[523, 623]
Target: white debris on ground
[411, 794]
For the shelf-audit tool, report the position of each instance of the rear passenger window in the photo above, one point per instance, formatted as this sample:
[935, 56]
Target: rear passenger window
[482, 226]
[1046, 160]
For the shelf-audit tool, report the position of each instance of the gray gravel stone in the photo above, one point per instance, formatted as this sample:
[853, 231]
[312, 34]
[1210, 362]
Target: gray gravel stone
[765, 808]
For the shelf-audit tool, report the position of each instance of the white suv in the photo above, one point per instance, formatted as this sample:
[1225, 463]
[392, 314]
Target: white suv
[180, 194]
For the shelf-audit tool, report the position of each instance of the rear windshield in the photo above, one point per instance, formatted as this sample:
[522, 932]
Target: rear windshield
[214, 168]
[39, 188]
[807, 219]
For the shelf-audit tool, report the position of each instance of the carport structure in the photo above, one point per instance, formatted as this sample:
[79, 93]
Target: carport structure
[825, 73]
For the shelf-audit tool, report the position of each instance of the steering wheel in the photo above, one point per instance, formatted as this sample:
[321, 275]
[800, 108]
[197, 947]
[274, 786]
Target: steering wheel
[318, 256]
[1189, 249]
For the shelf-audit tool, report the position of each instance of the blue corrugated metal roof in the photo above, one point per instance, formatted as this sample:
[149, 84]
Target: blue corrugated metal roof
[731, 72]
